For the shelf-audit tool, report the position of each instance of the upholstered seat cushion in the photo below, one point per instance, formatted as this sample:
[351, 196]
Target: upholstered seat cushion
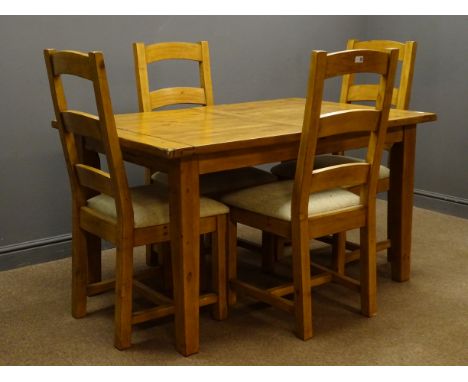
[286, 170]
[274, 200]
[151, 206]
[219, 183]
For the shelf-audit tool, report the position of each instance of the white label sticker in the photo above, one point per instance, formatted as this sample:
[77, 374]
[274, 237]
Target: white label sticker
[358, 59]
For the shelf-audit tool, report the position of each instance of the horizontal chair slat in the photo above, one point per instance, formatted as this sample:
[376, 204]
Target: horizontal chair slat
[94, 179]
[356, 253]
[342, 221]
[338, 278]
[368, 93]
[70, 62]
[349, 121]
[98, 224]
[100, 287]
[152, 313]
[150, 294]
[173, 51]
[356, 61]
[83, 124]
[343, 175]
[382, 45]
[263, 295]
[208, 299]
[363, 92]
[178, 95]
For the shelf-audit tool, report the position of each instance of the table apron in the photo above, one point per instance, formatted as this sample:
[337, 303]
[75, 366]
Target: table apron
[251, 156]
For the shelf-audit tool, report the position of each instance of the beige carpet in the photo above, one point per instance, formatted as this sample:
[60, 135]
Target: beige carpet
[420, 322]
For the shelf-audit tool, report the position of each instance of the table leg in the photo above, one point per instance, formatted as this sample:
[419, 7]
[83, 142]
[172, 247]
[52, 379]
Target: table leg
[400, 203]
[185, 251]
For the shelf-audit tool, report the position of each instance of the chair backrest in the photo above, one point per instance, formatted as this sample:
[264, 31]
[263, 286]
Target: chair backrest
[351, 92]
[147, 54]
[372, 122]
[75, 127]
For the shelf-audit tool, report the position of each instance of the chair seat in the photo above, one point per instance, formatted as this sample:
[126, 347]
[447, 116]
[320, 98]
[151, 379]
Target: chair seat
[151, 206]
[274, 200]
[219, 183]
[286, 170]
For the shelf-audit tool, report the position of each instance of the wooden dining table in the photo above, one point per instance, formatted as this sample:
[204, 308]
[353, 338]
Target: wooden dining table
[186, 143]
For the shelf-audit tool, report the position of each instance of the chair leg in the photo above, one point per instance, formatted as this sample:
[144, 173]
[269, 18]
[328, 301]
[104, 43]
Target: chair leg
[123, 295]
[339, 252]
[268, 252]
[278, 247]
[389, 222]
[218, 261]
[301, 278]
[93, 244]
[205, 243]
[79, 271]
[152, 256]
[232, 259]
[368, 264]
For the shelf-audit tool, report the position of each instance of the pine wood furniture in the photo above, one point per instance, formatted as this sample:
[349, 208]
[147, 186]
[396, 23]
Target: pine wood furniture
[103, 206]
[201, 140]
[355, 91]
[214, 184]
[316, 202]
[150, 100]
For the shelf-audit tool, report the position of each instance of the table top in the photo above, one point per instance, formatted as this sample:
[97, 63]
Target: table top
[175, 133]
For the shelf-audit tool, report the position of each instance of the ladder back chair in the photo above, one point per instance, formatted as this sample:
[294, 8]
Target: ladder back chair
[147, 54]
[316, 202]
[103, 205]
[210, 184]
[352, 92]
[215, 184]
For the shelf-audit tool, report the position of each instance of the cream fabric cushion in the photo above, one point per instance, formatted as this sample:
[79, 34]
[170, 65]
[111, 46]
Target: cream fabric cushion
[151, 206]
[286, 170]
[274, 200]
[219, 183]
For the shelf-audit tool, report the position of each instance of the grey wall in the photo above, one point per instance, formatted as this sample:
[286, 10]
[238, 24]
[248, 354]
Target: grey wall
[253, 57]
[440, 85]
